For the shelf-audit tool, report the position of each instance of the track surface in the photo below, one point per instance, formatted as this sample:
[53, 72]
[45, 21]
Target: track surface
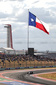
[27, 77]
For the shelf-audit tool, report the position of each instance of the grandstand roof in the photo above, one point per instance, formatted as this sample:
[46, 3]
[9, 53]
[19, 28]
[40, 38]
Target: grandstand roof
[39, 53]
[7, 48]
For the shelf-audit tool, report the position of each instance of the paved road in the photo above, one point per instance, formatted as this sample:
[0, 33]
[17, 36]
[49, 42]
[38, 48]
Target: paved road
[2, 84]
[26, 77]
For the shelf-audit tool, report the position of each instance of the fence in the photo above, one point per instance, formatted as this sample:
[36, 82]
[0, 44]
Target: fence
[27, 64]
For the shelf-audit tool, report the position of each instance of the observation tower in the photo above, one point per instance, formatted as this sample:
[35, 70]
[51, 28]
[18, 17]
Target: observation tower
[9, 36]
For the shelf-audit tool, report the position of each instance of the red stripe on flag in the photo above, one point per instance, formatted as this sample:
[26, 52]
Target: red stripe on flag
[41, 27]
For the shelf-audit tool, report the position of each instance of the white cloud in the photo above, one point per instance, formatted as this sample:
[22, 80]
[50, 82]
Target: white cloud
[20, 11]
[5, 7]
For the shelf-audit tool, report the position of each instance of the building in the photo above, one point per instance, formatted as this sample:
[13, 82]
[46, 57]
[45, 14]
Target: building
[12, 51]
[7, 50]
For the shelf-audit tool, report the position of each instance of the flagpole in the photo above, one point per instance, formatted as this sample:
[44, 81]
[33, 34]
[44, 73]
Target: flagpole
[28, 32]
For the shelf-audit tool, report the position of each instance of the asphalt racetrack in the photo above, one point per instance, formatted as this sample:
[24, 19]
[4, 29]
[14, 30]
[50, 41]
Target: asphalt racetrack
[27, 77]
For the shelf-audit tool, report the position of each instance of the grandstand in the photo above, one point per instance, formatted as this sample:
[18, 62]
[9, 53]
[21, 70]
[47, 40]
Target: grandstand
[52, 55]
[16, 61]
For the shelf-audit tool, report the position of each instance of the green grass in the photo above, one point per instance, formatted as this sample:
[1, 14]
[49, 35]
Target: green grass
[2, 79]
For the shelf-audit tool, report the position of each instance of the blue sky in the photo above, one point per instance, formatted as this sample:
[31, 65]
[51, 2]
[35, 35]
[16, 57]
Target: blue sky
[15, 12]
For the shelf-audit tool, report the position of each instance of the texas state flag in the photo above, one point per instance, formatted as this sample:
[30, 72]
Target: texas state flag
[34, 21]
